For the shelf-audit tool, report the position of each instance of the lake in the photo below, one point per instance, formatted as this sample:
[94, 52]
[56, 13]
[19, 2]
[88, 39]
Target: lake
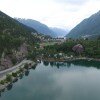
[77, 80]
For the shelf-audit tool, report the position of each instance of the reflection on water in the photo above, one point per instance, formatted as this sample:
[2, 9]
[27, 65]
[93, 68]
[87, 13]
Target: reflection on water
[21, 75]
[83, 63]
[34, 67]
[58, 81]
[46, 63]
[9, 87]
[26, 72]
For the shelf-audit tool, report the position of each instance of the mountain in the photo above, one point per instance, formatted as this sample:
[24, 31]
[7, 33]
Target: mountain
[59, 32]
[39, 27]
[16, 41]
[88, 28]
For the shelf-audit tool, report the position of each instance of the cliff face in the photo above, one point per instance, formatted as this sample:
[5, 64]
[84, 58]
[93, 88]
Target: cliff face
[23, 51]
[13, 58]
[5, 63]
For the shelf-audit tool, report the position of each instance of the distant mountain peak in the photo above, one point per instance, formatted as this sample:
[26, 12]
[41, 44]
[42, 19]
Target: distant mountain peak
[88, 27]
[38, 26]
[1, 12]
[59, 32]
[98, 12]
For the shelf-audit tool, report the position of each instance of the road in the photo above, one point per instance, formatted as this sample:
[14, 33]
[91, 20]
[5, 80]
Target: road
[14, 68]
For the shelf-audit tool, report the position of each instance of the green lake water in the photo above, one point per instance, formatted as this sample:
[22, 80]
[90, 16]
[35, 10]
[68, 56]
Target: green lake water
[77, 80]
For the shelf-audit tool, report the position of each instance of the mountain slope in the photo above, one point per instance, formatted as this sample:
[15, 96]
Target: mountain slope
[39, 27]
[59, 32]
[89, 27]
[15, 40]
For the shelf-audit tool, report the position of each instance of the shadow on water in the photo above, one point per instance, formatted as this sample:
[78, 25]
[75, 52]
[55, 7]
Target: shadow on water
[3, 90]
[34, 67]
[46, 63]
[15, 80]
[52, 64]
[9, 87]
[21, 75]
[85, 63]
[27, 72]
[57, 64]
[0, 93]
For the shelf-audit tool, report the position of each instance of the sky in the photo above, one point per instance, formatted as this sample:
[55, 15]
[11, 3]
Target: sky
[54, 13]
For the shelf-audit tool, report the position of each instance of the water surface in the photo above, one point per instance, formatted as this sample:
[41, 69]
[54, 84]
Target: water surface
[78, 80]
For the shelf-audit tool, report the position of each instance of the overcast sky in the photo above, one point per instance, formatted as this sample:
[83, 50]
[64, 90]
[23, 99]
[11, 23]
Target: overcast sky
[54, 13]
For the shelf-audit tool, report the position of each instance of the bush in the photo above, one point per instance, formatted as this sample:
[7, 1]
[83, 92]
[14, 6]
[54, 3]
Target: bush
[14, 74]
[21, 70]
[32, 56]
[26, 66]
[2, 82]
[14, 61]
[8, 78]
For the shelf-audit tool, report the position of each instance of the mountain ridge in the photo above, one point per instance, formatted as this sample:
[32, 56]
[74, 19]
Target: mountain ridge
[88, 27]
[59, 32]
[38, 26]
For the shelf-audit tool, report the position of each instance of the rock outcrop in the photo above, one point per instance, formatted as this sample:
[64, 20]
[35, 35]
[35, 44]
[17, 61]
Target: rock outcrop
[9, 60]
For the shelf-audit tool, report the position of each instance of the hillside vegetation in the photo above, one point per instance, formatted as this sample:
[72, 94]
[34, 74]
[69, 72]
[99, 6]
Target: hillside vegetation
[15, 40]
[91, 49]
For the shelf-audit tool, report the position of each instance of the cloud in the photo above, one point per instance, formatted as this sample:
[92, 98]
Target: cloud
[73, 2]
[66, 13]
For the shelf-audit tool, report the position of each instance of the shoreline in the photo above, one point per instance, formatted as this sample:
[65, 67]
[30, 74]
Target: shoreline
[70, 59]
[21, 65]
[14, 69]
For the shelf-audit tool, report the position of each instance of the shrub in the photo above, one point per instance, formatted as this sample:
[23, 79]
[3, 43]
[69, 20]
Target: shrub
[8, 78]
[26, 66]
[2, 82]
[14, 61]
[21, 70]
[14, 74]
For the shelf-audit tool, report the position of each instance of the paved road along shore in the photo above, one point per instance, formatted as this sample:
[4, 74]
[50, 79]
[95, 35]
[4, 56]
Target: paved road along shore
[14, 68]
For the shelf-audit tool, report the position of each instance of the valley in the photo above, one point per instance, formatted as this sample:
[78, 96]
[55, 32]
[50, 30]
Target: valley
[49, 63]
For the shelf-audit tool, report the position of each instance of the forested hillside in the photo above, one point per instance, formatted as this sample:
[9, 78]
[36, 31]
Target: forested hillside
[15, 40]
[85, 48]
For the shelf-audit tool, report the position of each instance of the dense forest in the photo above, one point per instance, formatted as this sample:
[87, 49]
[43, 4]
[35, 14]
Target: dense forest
[16, 41]
[13, 33]
[90, 48]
